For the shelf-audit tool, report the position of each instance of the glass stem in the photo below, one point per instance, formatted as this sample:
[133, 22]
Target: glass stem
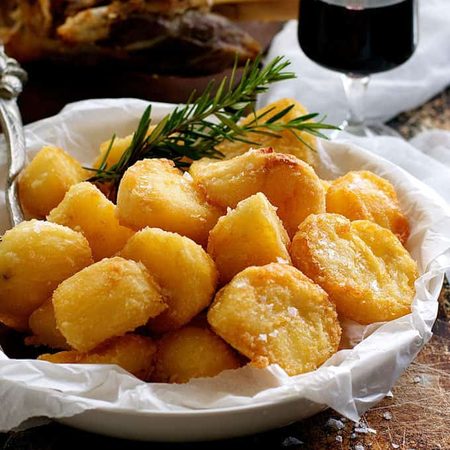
[355, 88]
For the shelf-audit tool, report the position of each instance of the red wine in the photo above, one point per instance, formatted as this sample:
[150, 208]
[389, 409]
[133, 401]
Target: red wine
[358, 41]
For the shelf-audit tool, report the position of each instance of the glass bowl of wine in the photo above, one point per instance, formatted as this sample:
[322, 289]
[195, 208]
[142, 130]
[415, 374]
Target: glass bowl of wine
[358, 38]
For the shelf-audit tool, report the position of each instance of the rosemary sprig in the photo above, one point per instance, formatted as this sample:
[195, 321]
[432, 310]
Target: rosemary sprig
[195, 130]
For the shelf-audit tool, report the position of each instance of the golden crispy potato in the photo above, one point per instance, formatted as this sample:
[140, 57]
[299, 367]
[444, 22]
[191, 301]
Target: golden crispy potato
[118, 148]
[192, 352]
[364, 195]
[154, 193]
[131, 352]
[35, 256]
[363, 267]
[43, 325]
[275, 314]
[85, 209]
[106, 299]
[43, 183]
[288, 143]
[291, 185]
[185, 272]
[250, 235]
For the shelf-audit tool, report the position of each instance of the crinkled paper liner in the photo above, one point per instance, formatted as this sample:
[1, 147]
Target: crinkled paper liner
[350, 382]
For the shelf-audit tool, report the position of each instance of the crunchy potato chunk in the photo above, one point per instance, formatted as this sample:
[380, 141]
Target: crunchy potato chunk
[118, 147]
[185, 272]
[107, 299]
[35, 256]
[131, 352]
[192, 352]
[250, 235]
[276, 315]
[43, 325]
[116, 151]
[363, 267]
[43, 183]
[288, 143]
[364, 195]
[85, 209]
[154, 193]
[291, 185]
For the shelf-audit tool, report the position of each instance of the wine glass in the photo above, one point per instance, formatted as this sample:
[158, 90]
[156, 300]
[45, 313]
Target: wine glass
[358, 38]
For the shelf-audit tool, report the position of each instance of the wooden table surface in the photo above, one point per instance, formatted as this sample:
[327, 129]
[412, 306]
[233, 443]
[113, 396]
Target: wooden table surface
[417, 416]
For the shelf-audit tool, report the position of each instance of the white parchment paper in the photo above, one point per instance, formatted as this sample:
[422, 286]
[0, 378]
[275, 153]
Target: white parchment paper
[350, 382]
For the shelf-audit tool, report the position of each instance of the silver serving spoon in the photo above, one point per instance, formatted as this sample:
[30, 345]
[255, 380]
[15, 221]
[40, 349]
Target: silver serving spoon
[12, 77]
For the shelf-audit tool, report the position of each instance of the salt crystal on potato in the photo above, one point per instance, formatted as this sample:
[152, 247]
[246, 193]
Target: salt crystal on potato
[364, 268]
[274, 314]
[107, 299]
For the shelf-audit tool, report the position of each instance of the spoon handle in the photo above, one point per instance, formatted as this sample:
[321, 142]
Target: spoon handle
[12, 77]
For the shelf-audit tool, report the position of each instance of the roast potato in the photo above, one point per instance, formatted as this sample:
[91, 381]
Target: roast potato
[362, 195]
[131, 352]
[274, 314]
[364, 268]
[156, 194]
[44, 182]
[290, 184]
[192, 352]
[36, 256]
[297, 143]
[107, 299]
[42, 323]
[85, 209]
[185, 272]
[250, 235]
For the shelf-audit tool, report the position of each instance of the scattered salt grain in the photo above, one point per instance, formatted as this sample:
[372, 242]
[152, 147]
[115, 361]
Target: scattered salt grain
[282, 260]
[37, 227]
[353, 436]
[387, 415]
[417, 380]
[292, 311]
[240, 284]
[291, 442]
[339, 439]
[274, 333]
[334, 424]
[187, 176]
[390, 394]
[395, 445]
[359, 447]
[364, 429]
[262, 337]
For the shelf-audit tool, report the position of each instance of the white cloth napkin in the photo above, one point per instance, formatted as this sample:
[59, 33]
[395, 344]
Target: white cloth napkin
[389, 93]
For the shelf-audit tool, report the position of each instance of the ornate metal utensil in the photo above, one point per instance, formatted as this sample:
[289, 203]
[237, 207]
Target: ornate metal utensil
[12, 77]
